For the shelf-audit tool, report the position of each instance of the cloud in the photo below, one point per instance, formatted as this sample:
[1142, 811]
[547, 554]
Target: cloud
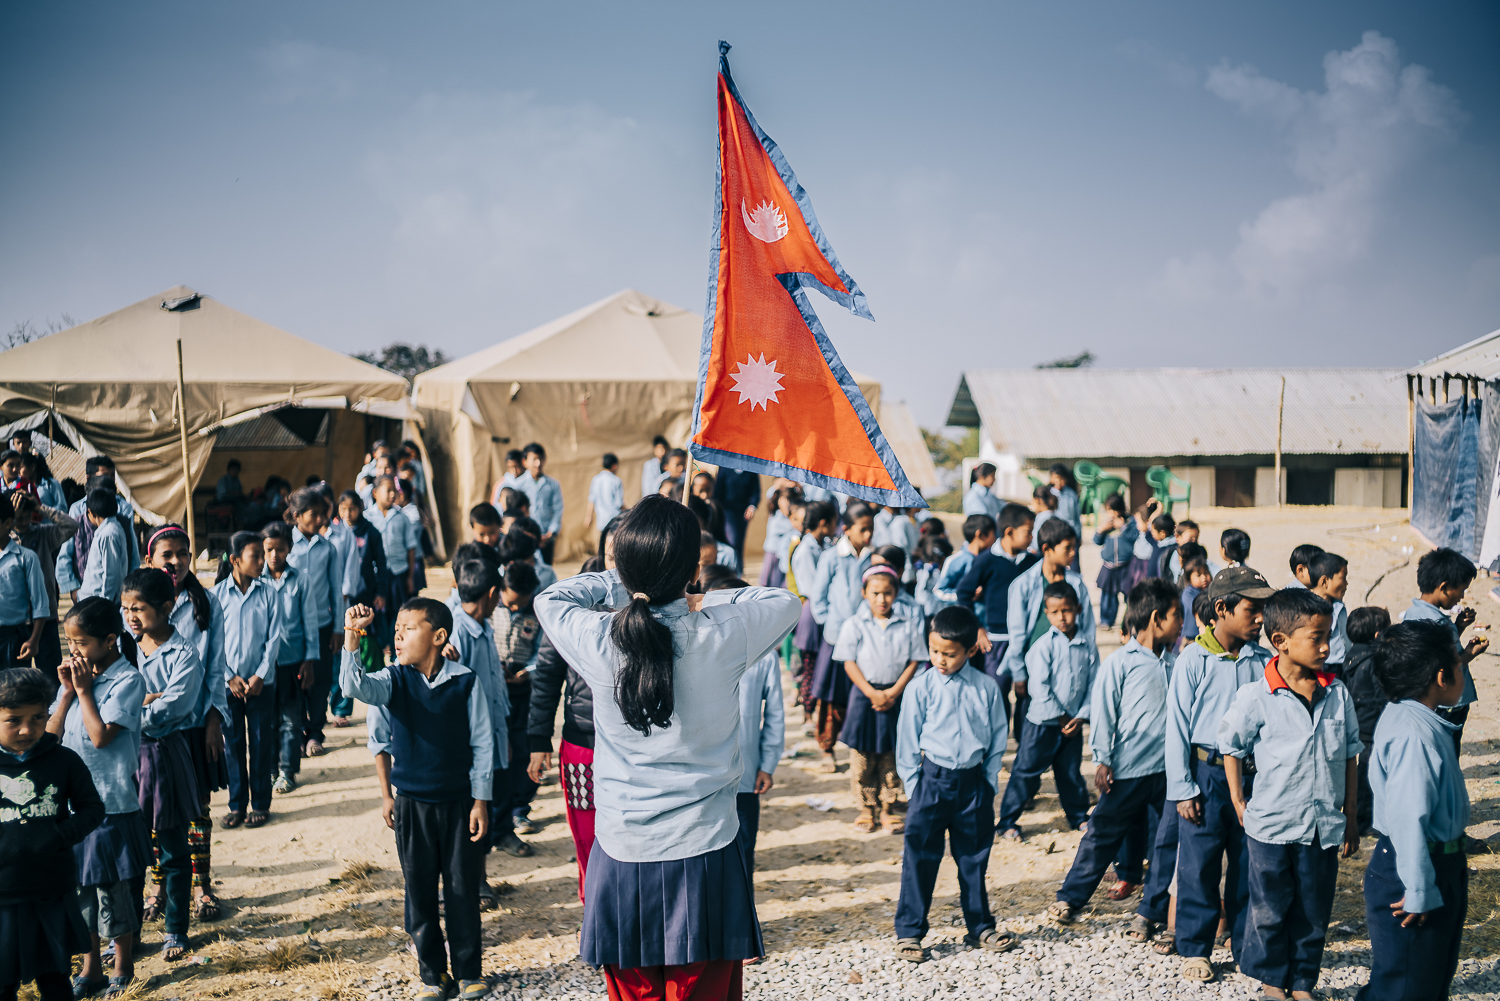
[302, 71]
[1347, 144]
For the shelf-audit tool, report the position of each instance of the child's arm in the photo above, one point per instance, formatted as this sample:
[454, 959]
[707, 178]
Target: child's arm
[481, 762]
[909, 739]
[387, 799]
[373, 689]
[41, 605]
[1104, 715]
[894, 692]
[307, 605]
[101, 732]
[1017, 627]
[772, 729]
[1239, 731]
[179, 697]
[265, 674]
[1353, 746]
[1182, 788]
[1413, 771]
[1038, 662]
[85, 809]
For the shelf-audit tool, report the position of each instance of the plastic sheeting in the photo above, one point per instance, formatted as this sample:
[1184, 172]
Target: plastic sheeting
[1446, 478]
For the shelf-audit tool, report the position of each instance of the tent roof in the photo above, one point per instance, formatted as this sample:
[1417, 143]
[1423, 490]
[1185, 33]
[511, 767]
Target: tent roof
[219, 345]
[1478, 358]
[906, 441]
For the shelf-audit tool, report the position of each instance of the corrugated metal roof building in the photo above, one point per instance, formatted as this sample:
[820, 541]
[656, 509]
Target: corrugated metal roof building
[1344, 434]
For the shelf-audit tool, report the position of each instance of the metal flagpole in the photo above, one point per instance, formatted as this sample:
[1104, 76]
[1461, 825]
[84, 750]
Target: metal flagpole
[182, 434]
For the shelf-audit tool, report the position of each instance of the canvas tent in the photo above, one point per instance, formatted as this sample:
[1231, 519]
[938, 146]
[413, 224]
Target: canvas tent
[113, 383]
[606, 378]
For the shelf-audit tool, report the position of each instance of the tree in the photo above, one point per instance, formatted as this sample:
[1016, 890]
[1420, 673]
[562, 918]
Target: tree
[948, 455]
[24, 331]
[405, 360]
[1084, 359]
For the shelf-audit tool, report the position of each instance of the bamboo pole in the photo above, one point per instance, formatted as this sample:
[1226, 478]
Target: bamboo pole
[1280, 416]
[1411, 437]
[182, 434]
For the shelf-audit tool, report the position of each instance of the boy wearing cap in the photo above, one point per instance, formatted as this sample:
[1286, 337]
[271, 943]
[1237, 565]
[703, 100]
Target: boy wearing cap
[1208, 674]
[1300, 723]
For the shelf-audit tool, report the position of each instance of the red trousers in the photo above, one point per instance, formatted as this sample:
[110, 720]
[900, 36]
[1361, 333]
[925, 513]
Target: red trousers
[719, 980]
[577, 766]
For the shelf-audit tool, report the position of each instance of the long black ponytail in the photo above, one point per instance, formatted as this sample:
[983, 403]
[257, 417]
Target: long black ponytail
[656, 554]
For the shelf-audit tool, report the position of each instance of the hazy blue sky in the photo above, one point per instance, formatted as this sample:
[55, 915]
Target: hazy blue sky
[1175, 183]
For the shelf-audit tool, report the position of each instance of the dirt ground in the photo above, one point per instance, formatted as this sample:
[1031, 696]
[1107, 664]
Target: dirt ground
[313, 900]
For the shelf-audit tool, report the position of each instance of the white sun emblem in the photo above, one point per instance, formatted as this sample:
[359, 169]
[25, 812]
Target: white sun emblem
[757, 381]
[767, 223]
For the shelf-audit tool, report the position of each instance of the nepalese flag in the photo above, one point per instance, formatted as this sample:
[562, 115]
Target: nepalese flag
[773, 396]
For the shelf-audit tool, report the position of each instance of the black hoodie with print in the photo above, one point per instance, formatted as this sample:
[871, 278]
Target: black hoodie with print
[48, 804]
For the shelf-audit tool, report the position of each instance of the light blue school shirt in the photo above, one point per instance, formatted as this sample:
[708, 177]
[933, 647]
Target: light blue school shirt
[50, 493]
[546, 498]
[299, 616]
[1420, 797]
[1025, 604]
[475, 641]
[209, 645]
[670, 795]
[778, 532]
[835, 592]
[1060, 672]
[23, 586]
[322, 573]
[1338, 639]
[784, 549]
[725, 556]
[651, 476]
[118, 694]
[545, 575]
[882, 648]
[1300, 758]
[804, 562]
[1128, 711]
[1202, 689]
[979, 500]
[955, 720]
[954, 568]
[1426, 611]
[1067, 508]
[374, 689]
[607, 494]
[78, 511]
[109, 556]
[896, 530]
[762, 719]
[174, 671]
[64, 572]
[378, 726]
[346, 564]
[396, 535]
[252, 629]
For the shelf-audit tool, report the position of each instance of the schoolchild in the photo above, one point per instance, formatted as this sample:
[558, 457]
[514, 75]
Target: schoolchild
[24, 608]
[520, 546]
[879, 647]
[97, 714]
[545, 494]
[1060, 669]
[996, 566]
[979, 535]
[406, 498]
[1299, 724]
[1365, 626]
[297, 660]
[979, 498]
[167, 777]
[1044, 507]
[1301, 565]
[819, 520]
[51, 806]
[1115, 535]
[555, 680]
[1188, 533]
[1195, 581]
[1416, 885]
[252, 644]
[932, 552]
[1234, 547]
[1443, 576]
[952, 735]
[109, 552]
[400, 545]
[1162, 527]
[323, 575]
[515, 468]
[834, 597]
[44, 530]
[1329, 574]
[1127, 720]
[442, 767]
[1205, 679]
[485, 526]
[517, 638]
[1065, 489]
[651, 469]
[606, 494]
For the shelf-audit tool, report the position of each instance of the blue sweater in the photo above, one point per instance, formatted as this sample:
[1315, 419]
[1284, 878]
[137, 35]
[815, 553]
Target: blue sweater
[993, 574]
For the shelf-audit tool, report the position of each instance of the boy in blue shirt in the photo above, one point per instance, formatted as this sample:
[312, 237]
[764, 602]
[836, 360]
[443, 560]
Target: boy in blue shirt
[1061, 667]
[1001, 556]
[109, 553]
[606, 494]
[1329, 573]
[950, 738]
[1416, 886]
[25, 608]
[297, 661]
[1127, 720]
[1300, 725]
[979, 535]
[1443, 576]
[1209, 672]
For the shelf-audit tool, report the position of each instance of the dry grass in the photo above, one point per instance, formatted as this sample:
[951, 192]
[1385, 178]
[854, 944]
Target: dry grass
[284, 954]
[358, 873]
[234, 958]
[333, 980]
[1482, 928]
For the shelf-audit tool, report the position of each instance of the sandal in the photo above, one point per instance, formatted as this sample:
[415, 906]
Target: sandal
[232, 819]
[910, 949]
[866, 822]
[1122, 889]
[472, 990]
[1140, 930]
[256, 818]
[152, 909]
[117, 986]
[173, 947]
[487, 898]
[893, 822]
[1197, 969]
[1165, 943]
[992, 939]
[1062, 912]
[207, 908]
[84, 987]
[313, 749]
[429, 992]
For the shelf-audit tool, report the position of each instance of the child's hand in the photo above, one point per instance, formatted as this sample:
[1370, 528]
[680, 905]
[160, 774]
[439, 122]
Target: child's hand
[1104, 779]
[388, 812]
[479, 820]
[984, 642]
[1239, 811]
[1071, 726]
[763, 783]
[1191, 810]
[541, 763]
[237, 687]
[1351, 838]
[1464, 619]
[150, 698]
[305, 676]
[213, 736]
[82, 676]
[1408, 919]
[1476, 646]
[450, 652]
[65, 676]
[254, 686]
[358, 617]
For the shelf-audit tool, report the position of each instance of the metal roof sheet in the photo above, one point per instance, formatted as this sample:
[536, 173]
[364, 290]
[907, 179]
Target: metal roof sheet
[1480, 357]
[1102, 413]
[906, 441]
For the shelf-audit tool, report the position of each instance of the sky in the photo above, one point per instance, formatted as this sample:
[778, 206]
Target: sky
[1162, 184]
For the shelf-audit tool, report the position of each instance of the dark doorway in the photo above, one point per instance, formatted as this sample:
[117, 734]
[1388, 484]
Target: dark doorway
[1140, 492]
[1234, 486]
[1309, 486]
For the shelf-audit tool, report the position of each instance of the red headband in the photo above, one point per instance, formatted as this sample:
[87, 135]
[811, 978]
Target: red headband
[878, 568]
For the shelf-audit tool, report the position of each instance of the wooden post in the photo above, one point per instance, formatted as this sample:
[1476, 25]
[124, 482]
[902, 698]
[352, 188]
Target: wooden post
[182, 434]
[1280, 416]
[1411, 438]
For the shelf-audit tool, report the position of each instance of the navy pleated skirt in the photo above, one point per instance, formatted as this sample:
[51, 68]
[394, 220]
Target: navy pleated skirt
[808, 635]
[118, 849]
[868, 731]
[168, 782]
[211, 775]
[692, 910]
[41, 936]
[830, 683]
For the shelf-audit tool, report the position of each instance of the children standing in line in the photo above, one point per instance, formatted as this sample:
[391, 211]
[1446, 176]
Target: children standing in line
[297, 660]
[442, 751]
[1416, 886]
[1002, 553]
[1329, 574]
[834, 597]
[517, 635]
[879, 647]
[1060, 669]
[323, 575]
[400, 547]
[606, 494]
[40, 927]
[109, 552]
[1300, 725]
[24, 610]
[1208, 674]
[1365, 626]
[1127, 719]
[952, 735]
[1443, 576]
[1116, 534]
[819, 520]
[97, 714]
[252, 645]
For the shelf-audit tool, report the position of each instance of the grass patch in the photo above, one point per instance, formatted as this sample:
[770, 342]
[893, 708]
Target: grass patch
[359, 872]
[287, 953]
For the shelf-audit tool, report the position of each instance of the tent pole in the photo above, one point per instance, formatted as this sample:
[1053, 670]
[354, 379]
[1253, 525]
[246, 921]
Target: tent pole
[182, 434]
[1280, 415]
[1411, 439]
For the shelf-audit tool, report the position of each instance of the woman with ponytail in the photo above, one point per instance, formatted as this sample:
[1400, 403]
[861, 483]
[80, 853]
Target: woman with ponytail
[668, 896]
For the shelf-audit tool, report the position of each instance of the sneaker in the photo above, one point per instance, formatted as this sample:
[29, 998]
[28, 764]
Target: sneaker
[525, 825]
[284, 784]
[512, 845]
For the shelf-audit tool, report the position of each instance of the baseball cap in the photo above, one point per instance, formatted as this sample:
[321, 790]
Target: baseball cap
[1243, 581]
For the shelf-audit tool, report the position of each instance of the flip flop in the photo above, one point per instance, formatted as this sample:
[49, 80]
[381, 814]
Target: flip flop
[232, 819]
[1165, 943]
[256, 818]
[1062, 912]
[207, 907]
[1197, 969]
[1122, 889]
[1140, 930]
[83, 987]
[992, 939]
[174, 947]
[152, 908]
[117, 986]
[910, 949]
[487, 898]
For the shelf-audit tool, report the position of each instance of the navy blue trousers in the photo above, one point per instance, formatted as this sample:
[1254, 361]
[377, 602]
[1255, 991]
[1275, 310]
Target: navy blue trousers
[1127, 808]
[1015, 713]
[748, 806]
[1291, 900]
[1201, 852]
[1157, 894]
[960, 803]
[1044, 747]
[250, 739]
[1417, 963]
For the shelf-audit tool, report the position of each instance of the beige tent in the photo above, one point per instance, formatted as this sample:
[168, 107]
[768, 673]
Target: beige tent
[905, 438]
[607, 378]
[114, 380]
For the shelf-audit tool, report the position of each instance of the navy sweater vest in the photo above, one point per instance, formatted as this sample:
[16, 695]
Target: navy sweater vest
[430, 748]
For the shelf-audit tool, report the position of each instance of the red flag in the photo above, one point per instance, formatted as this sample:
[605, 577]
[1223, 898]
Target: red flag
[773, 396]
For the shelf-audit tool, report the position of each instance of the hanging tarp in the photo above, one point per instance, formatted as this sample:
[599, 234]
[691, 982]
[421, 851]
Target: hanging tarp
[1445, 477]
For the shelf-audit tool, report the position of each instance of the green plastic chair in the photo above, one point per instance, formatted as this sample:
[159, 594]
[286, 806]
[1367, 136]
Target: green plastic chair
[1086, 473]
[1034, 481]
[1107, 485]
[1169, 488]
